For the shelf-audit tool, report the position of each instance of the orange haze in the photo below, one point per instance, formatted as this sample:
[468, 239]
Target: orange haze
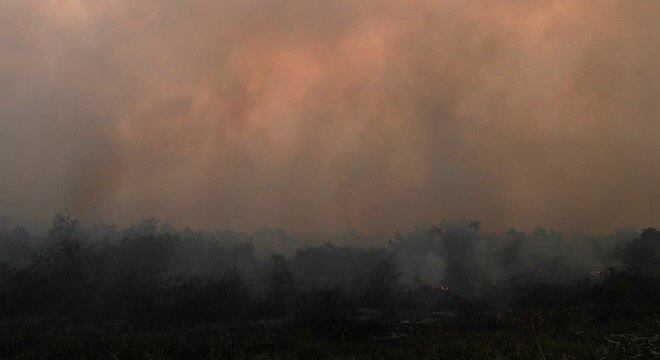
[309, 114]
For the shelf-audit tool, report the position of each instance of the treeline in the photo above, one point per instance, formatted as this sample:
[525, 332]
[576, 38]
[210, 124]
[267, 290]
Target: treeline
[155, 274]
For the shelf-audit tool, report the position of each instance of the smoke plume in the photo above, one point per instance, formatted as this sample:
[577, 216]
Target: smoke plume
[306, 114]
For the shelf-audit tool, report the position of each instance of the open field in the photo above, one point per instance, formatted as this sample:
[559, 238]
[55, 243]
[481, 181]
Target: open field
[571, 335]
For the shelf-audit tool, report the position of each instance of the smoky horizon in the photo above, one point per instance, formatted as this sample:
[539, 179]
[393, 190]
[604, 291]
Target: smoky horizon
[372, 116]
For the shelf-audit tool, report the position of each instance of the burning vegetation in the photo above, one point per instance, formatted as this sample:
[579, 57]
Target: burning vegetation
[451, 278]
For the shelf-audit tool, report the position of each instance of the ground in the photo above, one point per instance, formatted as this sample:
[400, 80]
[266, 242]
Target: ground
[529, 335]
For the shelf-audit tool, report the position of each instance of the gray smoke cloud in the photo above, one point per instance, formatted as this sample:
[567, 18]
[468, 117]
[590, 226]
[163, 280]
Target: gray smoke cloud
[307, 114]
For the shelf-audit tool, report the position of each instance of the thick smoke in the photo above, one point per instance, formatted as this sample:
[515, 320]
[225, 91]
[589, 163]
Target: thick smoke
[373, 115]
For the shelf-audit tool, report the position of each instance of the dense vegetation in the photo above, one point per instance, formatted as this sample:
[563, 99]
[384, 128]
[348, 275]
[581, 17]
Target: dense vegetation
[444, 291]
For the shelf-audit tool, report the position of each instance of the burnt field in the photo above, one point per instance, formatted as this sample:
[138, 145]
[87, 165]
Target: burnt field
[151, 291]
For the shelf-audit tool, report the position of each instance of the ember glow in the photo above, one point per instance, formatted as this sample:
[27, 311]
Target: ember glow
[305, 114]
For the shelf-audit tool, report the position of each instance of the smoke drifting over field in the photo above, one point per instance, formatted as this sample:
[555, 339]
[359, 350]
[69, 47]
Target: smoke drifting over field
[373, 115]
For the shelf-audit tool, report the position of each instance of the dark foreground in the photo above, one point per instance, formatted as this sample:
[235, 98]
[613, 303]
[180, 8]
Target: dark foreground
[551, 335]
[447, 292]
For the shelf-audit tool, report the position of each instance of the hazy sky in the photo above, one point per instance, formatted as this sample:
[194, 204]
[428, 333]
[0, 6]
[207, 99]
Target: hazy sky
[332, 114]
